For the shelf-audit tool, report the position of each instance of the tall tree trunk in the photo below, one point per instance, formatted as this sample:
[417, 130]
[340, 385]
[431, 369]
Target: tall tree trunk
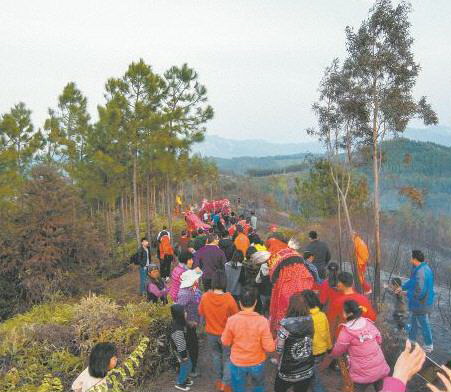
[344, 203]
[148, 209]
[123, 219]
[140, 205]
[340, 235]
[169, 204]
[135, 197]
[377, 239]
[154, 200]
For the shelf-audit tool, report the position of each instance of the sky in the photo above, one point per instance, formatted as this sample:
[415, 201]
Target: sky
[260, 60]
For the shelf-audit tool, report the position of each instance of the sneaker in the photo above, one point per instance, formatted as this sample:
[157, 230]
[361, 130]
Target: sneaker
[194, 374]
[428, 349]
[182, 387]
[218, 385]
[189, 382]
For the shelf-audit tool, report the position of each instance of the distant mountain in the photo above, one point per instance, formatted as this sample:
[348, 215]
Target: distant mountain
[257, 166]
[219, 147]
[438, 135]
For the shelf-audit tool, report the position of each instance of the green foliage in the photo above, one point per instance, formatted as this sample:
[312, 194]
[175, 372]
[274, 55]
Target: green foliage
[317, 192]
[46, 348]
[19, 144]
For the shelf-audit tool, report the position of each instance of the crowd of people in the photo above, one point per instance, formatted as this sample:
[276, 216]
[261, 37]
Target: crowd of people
[268, 302]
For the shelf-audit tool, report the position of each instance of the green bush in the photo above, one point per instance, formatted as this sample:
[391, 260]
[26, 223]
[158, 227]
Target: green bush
[51, 342]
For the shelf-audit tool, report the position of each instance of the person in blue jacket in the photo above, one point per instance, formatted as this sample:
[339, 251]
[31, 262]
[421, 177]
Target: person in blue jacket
[420, 297]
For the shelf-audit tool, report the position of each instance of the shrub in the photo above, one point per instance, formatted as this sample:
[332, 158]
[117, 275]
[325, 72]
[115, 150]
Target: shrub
[44, 349]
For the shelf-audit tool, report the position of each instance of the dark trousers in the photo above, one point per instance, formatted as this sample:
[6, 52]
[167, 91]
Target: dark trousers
[165, 266]
[300, 386]
[207, 284]
[192, 343]
[376, 386]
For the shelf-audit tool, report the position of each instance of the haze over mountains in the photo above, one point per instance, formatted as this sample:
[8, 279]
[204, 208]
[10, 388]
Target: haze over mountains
[220, 147]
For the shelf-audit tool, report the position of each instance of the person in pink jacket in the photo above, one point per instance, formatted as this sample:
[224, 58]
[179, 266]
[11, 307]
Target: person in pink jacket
[185, 263]
[361, 340]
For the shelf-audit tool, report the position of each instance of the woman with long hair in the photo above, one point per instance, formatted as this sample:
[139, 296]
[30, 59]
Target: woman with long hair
[295, 347]
[328, 291]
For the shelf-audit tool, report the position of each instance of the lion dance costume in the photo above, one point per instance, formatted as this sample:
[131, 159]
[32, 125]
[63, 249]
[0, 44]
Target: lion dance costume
[288, 276]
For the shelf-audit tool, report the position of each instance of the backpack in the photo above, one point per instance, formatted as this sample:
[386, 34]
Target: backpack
[134, 259]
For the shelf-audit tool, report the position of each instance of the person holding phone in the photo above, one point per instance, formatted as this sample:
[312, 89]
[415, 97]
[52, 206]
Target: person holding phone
[409, 363]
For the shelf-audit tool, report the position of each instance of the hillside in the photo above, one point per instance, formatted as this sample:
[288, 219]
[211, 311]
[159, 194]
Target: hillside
[425, 166]
[262, 165]
[435, 134]
[407, 163]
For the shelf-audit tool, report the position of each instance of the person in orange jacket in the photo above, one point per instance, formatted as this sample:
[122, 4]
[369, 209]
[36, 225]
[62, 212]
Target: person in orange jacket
[241, 241]
[362, 255]
[166, 255]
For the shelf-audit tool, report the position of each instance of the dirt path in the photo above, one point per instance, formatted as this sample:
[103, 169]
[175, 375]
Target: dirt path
[205, 383]
[125, 289]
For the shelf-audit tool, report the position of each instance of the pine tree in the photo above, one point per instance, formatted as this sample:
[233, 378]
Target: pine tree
[19, 146]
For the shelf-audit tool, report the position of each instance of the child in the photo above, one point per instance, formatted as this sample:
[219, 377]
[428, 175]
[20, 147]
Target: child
[178, 341]
[250, 339]
[102, 359]
[322, 342]
[156, 288]
[216, 306]
[399, 303]
[328, 291]
[235, 274]
[361, 340]
[294, 344]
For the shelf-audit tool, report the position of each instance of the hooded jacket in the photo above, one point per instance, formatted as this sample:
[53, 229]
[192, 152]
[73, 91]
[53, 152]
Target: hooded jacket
[420, 289]
[216, 309]
[361, 340]
[295, 343]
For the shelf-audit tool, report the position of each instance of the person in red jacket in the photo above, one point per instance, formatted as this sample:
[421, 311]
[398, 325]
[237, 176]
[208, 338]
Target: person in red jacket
[335, 311]
[328, 291]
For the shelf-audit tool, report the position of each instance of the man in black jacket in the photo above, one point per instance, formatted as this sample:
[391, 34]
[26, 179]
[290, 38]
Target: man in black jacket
[319, 249]
[226, 245]
[143, 260]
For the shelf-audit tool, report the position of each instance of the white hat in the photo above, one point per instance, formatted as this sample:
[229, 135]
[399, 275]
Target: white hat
[188, 278]
[261, 257]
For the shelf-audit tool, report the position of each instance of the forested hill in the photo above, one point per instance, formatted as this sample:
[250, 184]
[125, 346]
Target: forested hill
[423, 166]
[410, 167]
[260, 166]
